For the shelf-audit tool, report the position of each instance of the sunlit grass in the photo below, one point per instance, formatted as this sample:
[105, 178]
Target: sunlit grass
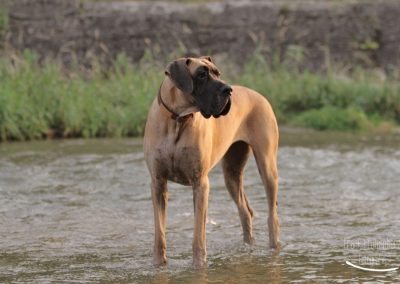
[46, 101]
[38, 102]
[331, 101]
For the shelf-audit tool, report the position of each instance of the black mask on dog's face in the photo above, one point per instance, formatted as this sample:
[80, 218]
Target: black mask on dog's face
[211, 95]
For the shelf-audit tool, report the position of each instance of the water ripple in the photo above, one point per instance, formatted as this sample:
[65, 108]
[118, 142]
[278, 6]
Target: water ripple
[80, 211]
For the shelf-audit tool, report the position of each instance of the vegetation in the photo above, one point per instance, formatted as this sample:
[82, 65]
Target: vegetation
[44, 101]
[334, 101]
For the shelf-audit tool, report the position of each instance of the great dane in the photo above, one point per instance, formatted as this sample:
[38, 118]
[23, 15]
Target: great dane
[195, 121]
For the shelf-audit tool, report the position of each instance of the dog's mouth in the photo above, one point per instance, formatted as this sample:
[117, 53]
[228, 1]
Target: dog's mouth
[223, 110]
[206, 115]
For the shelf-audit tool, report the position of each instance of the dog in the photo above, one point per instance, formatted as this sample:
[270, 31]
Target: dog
[195, 121]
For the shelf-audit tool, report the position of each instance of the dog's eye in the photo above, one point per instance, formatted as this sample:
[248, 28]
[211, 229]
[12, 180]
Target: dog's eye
[202, 75]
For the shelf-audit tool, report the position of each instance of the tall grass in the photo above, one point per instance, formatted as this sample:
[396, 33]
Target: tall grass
[42, 101]
[356, 101]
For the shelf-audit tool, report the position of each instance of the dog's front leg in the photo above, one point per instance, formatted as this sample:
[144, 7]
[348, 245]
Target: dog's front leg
[200, 202]
[159, 195]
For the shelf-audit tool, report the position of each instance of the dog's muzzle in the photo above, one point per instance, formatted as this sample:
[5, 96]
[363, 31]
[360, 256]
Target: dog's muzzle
[226, 94]
[221, 104]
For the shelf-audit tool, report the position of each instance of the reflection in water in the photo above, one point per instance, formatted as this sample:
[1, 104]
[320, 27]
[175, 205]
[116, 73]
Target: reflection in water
[79, 210]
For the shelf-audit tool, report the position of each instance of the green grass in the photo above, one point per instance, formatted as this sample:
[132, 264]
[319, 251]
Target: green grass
[333, 118]
[359, 101]
[45, 101]
[38, 102]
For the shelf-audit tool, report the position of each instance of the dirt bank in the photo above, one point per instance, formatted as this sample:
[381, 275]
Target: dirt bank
[316, 33]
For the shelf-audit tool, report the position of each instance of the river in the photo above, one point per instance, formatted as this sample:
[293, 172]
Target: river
[80, 211]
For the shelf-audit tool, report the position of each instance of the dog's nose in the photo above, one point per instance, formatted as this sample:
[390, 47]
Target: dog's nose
[226, 90]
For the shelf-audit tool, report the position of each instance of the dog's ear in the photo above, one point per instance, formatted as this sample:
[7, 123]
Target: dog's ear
[207, 58]
[179, 73]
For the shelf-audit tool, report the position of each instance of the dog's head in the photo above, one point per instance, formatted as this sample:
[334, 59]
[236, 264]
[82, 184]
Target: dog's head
[200, 78]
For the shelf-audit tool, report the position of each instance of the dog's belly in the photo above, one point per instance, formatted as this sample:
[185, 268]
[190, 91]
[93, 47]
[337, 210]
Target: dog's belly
[182, 165]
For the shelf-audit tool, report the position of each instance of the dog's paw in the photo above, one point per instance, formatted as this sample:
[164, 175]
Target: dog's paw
[199, 263]
[276, 245]
[159, 261]
[249, 240]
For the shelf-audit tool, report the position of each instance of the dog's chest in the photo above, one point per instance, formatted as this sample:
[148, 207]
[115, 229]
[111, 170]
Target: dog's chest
[179, 163]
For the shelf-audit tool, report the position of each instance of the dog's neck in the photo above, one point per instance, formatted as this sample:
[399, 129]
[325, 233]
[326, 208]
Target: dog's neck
[180, 105]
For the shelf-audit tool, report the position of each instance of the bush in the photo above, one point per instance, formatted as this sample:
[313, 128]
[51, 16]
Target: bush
[39, 101]
[333, 118]
[291, 93]
[42, 101]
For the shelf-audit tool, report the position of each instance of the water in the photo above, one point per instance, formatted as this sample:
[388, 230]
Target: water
[80, 211]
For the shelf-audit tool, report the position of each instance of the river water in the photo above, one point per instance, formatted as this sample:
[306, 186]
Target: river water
[80, 211]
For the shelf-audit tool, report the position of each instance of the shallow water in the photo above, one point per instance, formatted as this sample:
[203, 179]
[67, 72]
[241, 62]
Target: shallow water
[80, 211]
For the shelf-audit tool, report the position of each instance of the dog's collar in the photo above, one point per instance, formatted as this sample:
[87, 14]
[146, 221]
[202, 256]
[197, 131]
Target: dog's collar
[174, 115]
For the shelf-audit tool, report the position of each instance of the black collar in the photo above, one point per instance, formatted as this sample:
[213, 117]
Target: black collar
[174, 115]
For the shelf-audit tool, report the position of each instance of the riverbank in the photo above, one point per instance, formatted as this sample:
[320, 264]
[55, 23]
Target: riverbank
[357, 33]
[46, 101]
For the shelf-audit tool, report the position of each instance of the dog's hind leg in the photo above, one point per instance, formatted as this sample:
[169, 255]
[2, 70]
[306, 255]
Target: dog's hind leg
[159, 195]
[266, 157]
[233, 165]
